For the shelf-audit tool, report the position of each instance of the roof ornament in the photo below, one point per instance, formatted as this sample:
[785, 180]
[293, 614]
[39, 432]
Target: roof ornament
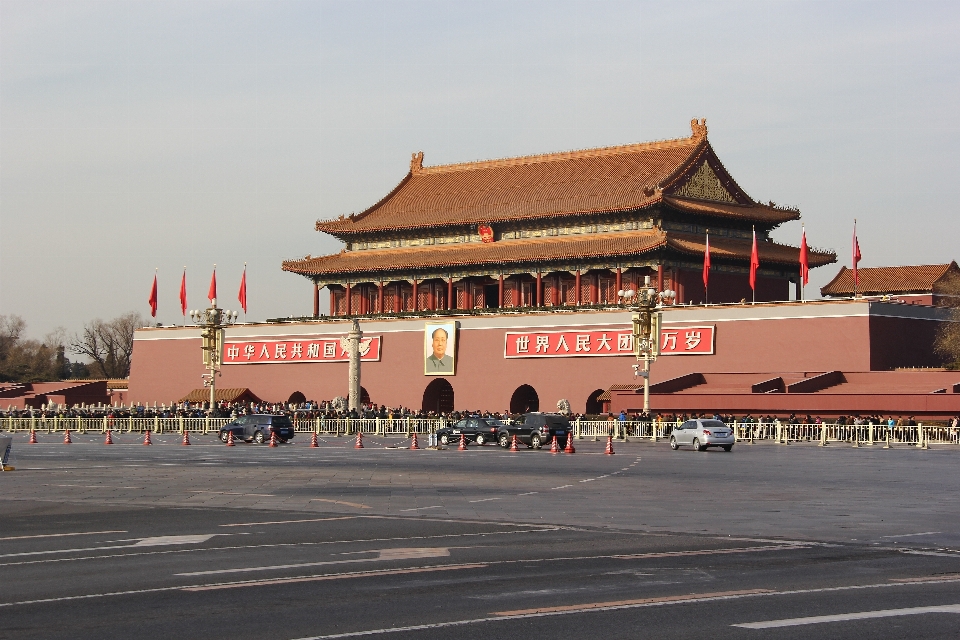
[416, 163]
[699, 128]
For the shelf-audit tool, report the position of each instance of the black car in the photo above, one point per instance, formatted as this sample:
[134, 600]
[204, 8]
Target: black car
[536, 430]
[258, 428]
[479, 430]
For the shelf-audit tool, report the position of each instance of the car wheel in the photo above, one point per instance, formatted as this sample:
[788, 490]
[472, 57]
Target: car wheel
[673, 444]
[444, 439]
[481, 440]
[504, 440]
[696, 445]
[728, 447]
[258, 437]
[535, 441]
[224, 436]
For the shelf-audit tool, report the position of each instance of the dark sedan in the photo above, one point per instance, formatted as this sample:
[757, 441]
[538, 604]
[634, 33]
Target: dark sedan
[257, 428]
[479, 430]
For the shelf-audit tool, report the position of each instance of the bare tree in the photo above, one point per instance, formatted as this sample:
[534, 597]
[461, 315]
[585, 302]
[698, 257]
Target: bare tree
[11, 327]
[947, 342]
[109, 344]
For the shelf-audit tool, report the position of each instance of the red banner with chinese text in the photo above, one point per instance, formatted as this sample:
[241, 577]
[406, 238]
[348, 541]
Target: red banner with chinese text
[605, 342]
[316, 349]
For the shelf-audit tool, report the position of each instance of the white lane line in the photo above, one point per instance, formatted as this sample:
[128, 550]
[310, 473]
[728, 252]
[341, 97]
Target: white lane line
[62, 535]
[259, 524]
[910, 535]
[383, 555]
[144, 542]
[528, 493]
[159, 541]
[88, 486]
[436, 506]
[234, 493]
[563, 487]
[844, 617]
[485, 500]
[658, 603]
[356, 505]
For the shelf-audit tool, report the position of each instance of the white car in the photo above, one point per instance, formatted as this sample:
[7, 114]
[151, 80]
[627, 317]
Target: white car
[701, 434]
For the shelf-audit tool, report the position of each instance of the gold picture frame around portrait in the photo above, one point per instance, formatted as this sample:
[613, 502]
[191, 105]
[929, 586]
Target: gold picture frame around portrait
[440, 348]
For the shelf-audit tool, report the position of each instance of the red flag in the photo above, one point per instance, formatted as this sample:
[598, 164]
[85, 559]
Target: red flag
[183, 292]
[804, 260]
[153, 297]
[706, 263]
[754, 262]
[212, 293]
[242, 297]
[856, 257]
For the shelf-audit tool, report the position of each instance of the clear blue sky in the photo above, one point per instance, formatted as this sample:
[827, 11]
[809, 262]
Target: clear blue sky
[136, 135]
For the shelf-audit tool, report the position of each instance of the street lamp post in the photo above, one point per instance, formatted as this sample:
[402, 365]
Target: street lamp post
[646, 330]
[212, 320]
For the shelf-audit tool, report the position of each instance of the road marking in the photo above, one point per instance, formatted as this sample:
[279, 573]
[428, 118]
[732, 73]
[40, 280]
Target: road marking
[349, 504]
[485, 500]
[706, 552]
[160, 541]
[528, 493]
[910, 535]
[61, 535]
[943, 576]
[563, 487]
[382, 556]
[844, 617]
[88, 486]
[437, 506]
[575, 608]
[234, 493]
[331, 576]
[258, 524]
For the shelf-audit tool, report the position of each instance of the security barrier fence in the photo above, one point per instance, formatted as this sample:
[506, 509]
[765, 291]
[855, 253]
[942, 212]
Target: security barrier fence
[783, 433]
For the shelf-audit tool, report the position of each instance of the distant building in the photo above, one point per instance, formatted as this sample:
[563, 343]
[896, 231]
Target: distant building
[936, 285]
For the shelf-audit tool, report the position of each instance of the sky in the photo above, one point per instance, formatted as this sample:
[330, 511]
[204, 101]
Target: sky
[145, 137]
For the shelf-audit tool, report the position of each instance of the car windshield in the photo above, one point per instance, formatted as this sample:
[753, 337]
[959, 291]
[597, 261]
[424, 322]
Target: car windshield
[493, 423]
[713, 424]
[281, 421]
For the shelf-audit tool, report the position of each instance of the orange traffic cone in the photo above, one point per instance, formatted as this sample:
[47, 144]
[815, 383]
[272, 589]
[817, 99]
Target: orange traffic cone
[513, 444]
[359, 443]
[569, 448]
[108, 439]
[186, 438]
[313, 441]
[463, 443]
[146, 438]
[66, 437]
[553, 446]
[33, 437]
[230, 439]
[273, 438]
[609, 449]
[413, 443]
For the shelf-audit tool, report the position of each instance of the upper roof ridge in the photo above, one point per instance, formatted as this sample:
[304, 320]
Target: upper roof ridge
[698, 134]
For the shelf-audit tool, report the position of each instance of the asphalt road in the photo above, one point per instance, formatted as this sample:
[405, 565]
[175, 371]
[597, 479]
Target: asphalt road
[291, 542]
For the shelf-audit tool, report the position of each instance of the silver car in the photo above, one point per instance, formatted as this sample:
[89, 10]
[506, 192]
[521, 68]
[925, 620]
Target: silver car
[702, 434]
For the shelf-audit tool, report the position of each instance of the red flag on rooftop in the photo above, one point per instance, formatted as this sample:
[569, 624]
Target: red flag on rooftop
[754, 263]
[856, 258]
[212, 293]
[706, 263]
[242, 297]
[804, 260]
[153, 297]
[183, 292]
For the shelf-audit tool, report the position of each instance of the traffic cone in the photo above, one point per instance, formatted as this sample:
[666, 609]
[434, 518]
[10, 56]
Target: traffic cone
[66, 437]
[513, 444]
[569, 448]
[413, 443]
[33, 437]
[554, 448]
[609, 449]
[463, 443]
[273, 438]
[359, 443]
[313, 441]
[146, 438]
[230, 439]
[108, 439]
[186, 438]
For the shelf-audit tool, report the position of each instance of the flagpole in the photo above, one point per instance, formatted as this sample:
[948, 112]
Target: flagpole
[854, 260]
[803, 235]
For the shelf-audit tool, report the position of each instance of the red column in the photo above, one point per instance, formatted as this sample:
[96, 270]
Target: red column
[347, 301]
[416, 303]
[659, 278]
[316, 300]
[467, 294]
[577, 285]
[398, 298]
[380, 298]
[500, 294]
[619, 279]
[539, 290]
[333, 303]
[449, 293]
[555, 296]
[595, 289]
